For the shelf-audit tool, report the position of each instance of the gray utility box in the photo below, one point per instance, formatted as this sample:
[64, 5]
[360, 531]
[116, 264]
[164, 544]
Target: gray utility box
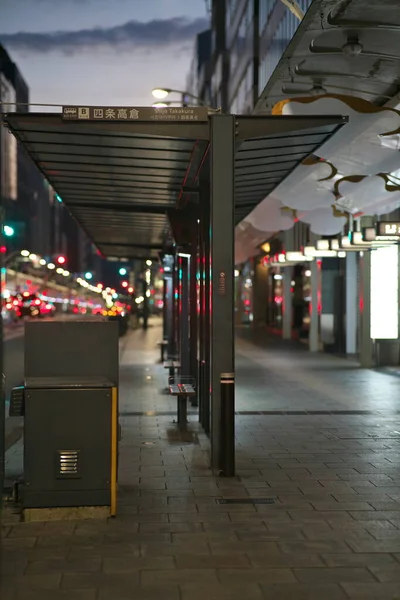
[71, 413]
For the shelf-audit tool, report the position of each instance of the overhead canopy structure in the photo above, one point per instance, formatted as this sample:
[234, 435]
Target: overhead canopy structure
[344, 58]
[120, 178]
[349, 47]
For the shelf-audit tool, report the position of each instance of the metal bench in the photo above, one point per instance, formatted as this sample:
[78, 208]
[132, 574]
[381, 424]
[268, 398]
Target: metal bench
[183, 388]
[163, 344]
[172, 365]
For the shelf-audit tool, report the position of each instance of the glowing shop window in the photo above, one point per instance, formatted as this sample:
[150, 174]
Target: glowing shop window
[384, 293]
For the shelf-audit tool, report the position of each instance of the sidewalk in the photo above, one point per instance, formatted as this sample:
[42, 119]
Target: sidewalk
[332, 473]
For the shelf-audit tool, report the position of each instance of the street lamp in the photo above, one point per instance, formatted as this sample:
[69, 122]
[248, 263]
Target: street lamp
[162, 93]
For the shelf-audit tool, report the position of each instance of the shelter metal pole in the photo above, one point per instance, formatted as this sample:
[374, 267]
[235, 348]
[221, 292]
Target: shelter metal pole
[184, 316]
[200, 371]
[313, 340]
[175, 305]
[366, 343]
[287, 304]
[351, 303]
[207, 315]
[193, 311]
[222, 291]
[145, 298]
[2, 377]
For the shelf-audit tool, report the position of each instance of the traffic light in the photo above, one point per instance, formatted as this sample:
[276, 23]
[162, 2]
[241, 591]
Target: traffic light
[88, 275]
[8, 231]
[124, 284]
[123, 271]
[61, 260]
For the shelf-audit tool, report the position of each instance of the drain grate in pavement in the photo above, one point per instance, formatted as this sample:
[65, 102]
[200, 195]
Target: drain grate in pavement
[245, 500]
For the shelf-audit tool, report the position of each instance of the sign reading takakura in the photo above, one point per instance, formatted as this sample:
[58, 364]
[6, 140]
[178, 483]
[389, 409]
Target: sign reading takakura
[144, 113]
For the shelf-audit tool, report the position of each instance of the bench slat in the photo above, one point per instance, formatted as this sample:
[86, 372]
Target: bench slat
[174, 390]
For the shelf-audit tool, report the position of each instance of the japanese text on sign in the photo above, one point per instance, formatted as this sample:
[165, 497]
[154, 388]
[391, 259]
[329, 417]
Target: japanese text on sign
[146, 113]
[388, 228]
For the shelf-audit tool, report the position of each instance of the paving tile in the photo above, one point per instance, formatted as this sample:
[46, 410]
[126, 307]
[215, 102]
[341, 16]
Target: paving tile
[362, 545]
[232, 547]
[372, 591]
[42, 581]
[318, 547]
[113, 581]
[175, 549]
[386, 574]
[170, 592]
[106, 550]
[334, 575]
[171, 527]
[358, 560]
[264, 575]
[249, 591]
[346, 506]
[199, 518]
[281, 559]
[11, 567]
[179, 577]
[384, 515]
[56, 595]
[303, 592]
[133, 563]
[16, 543]
[59, 565]
[187, 561]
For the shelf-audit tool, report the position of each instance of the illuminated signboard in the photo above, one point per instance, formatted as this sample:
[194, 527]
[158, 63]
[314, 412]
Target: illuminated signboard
[384, 293]
[388, 228]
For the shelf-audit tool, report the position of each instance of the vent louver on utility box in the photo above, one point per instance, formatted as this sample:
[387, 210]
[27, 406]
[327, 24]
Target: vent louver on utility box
[17, 402]
[68, 464]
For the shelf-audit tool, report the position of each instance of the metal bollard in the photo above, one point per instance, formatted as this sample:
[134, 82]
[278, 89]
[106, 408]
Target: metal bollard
[201, 392]
[227, 425]
[182, 410]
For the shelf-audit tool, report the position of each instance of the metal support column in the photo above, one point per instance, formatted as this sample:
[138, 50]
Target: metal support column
[366, 343]
[222, 296]
[145, 298]
[168, 308]
[200, 370]
[175, 306]
[184, 346]
[351, 303]
[238, 299]
[260, 293]
[287, 304]
[206, 360]
[315, 308]
[193, 311]
[2, 380]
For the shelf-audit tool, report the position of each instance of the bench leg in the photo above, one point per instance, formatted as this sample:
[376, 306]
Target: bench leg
[171, 372]
[182, 410]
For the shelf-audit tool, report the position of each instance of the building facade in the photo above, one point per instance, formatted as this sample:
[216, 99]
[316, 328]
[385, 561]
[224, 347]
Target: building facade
[248, 38]
[40, 221]
[198, 82]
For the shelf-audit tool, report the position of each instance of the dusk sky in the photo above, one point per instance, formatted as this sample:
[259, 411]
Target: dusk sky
[101, 51]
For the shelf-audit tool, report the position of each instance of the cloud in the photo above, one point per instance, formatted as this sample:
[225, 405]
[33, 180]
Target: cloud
[158, 33]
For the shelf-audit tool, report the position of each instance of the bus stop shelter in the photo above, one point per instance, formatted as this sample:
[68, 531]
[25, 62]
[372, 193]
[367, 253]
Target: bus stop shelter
[141, 180]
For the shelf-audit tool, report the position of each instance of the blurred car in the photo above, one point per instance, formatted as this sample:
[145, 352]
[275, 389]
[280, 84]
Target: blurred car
[47, 309]
[30, 305]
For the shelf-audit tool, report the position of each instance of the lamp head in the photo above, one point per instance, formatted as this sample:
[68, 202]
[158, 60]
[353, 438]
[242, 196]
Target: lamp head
[160, 93]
